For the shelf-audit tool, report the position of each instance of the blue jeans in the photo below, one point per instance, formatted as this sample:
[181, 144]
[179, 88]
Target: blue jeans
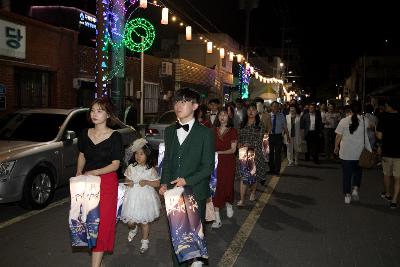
[351, 175]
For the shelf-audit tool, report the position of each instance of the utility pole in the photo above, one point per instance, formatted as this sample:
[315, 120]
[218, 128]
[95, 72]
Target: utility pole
[248, 6]
[100, 53]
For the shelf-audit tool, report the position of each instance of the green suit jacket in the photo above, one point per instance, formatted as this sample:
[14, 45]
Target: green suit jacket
[193, 160]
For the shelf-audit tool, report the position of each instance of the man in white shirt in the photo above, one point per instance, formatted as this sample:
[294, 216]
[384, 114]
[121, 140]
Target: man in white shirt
[213, 106]
[311, 126]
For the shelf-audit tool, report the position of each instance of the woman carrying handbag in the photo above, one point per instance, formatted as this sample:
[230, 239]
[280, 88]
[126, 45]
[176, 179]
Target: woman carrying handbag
[349, 144]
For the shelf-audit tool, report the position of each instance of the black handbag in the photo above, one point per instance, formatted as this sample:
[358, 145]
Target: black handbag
[367, 159]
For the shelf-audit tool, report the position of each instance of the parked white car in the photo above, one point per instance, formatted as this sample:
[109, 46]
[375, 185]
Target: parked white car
[38, 152]
[155, 131]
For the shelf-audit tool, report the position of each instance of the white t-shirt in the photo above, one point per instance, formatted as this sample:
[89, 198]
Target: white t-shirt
[312, 121]
[352, 145]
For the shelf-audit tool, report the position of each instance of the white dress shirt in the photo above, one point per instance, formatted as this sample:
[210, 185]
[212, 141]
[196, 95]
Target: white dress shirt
[212, 117]
[181, 133]
[312, 121]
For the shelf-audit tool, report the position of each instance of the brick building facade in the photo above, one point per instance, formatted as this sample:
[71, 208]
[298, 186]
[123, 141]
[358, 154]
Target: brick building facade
[44, 76]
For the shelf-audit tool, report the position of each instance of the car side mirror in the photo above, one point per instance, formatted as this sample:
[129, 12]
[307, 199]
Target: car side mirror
[70, 135]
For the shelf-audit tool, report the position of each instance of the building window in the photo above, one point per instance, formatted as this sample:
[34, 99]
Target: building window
[151, 94]
[32, 88]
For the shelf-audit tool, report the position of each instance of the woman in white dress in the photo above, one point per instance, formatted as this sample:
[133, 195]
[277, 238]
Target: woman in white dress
[142, 204]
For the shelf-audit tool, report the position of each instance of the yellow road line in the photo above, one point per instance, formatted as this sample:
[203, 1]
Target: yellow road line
[235, 247]
[32, 213]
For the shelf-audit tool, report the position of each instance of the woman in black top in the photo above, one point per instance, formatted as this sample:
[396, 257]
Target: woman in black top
[100, 153]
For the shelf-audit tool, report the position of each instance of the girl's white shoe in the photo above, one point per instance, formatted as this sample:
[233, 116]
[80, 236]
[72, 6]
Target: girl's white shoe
[132, 233]
[145, 245]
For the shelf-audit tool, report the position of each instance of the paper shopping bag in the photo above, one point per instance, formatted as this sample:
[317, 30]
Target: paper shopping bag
[185, 225]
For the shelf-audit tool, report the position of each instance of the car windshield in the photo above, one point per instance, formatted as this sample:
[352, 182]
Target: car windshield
[35, 127]
[167, 118]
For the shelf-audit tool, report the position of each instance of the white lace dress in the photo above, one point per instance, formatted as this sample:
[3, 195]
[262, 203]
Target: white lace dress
[142, 204]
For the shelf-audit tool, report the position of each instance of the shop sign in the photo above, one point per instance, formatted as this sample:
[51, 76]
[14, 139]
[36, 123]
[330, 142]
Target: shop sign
[88, 21]
[12, 39]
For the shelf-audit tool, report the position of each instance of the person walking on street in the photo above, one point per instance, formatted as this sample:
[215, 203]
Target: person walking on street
[213, 106]
[388, 131]
[225, 145]
[142, 203]
[251, 135]
[330, 121]
[349, 144]
[278, 128]
[100, 153]
[189, 155]
[293, 126]
[130, 115]
[312, 127]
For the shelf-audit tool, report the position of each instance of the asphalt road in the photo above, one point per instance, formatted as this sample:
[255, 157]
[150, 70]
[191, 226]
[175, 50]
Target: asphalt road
[299, 219]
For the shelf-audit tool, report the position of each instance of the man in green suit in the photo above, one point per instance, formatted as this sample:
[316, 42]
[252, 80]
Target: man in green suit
[189, 153]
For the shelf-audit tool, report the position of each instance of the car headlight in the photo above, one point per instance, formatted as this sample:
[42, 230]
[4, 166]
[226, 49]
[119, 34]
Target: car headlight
[5, 170]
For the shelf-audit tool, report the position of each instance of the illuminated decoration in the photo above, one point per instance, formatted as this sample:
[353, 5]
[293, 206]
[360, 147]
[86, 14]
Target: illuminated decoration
[164, 16]
[173, 18]
[247, 65]
[139, 28]
[251, 69]
[209, 47]
[222, 52]
[256, 75]
[231, 56]
[143, 4]
[264, 80]
[244, 80]
[188, 33]
[239, 58]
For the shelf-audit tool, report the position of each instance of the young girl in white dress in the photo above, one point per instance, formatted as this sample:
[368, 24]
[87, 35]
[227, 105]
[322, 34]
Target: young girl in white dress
[142, 204]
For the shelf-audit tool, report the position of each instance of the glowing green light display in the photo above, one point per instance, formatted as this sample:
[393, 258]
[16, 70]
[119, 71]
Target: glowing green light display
[137, 30]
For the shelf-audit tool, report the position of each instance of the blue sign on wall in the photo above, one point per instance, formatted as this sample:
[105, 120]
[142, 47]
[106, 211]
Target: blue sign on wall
[2, 89]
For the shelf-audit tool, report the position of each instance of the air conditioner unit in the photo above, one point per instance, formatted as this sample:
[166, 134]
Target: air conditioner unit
[76, 83]
[166, 68]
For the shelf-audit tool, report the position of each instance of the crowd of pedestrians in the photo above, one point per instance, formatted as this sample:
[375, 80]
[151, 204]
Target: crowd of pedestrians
[249, 139]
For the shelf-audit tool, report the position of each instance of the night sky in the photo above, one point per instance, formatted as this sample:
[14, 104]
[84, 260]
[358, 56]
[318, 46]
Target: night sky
[326, 32]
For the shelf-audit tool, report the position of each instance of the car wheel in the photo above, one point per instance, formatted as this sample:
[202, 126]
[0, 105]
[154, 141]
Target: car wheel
[38, 189]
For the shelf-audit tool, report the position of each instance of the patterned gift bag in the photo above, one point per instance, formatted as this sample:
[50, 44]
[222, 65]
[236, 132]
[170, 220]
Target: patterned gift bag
[121, 199]
[185, 225]
[265, 147]
[247, 164]
[213, 178]
[161, 150]
[84, 212]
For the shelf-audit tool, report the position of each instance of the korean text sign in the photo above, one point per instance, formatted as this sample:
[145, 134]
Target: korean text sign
[12, 39]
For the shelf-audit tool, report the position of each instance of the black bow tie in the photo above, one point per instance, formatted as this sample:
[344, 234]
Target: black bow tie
[185, 126]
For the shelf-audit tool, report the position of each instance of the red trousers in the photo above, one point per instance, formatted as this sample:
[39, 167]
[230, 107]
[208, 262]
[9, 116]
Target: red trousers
[108, 211]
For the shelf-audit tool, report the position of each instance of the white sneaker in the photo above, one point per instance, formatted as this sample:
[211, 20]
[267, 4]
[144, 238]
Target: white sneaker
[197, 264]
[354, 195]
[347, 199]
[216, 224]
[132, 233]
[145, 245]
[229, 210]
